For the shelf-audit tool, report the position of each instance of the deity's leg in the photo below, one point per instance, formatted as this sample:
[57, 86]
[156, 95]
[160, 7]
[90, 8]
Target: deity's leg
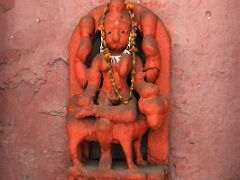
[84, 151]
[75, 139]
[137, 148]
[126, 144]
[104, 136]
[122, 113]
[73, 150]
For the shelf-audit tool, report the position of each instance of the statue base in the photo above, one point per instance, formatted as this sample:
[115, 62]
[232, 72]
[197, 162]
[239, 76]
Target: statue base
[120, 172]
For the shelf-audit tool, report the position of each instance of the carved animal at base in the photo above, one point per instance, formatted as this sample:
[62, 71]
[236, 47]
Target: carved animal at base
[126, 134]
[122, 133]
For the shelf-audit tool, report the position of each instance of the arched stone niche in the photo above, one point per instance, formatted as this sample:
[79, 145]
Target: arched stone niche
[118, 110]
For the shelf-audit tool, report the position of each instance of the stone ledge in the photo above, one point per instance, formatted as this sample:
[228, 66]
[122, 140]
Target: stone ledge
[120, 172]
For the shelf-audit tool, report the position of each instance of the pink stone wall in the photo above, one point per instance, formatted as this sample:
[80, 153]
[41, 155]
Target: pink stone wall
[205, 120]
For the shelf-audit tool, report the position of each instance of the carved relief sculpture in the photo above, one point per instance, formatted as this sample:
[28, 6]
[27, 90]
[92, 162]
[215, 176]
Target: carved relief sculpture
[119, 90]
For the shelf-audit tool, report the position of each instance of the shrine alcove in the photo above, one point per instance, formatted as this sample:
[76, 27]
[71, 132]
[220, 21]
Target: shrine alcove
[34, 86]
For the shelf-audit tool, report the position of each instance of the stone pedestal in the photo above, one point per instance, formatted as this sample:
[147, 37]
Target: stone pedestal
[120, 172]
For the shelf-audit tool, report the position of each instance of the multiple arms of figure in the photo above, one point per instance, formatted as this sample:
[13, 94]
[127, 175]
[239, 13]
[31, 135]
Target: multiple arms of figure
[148, 22]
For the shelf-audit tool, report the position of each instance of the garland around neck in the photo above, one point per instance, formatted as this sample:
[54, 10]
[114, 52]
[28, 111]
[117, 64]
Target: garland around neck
[130, 49]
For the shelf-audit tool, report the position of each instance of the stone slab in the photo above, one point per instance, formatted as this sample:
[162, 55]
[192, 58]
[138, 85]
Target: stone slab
[120, 172]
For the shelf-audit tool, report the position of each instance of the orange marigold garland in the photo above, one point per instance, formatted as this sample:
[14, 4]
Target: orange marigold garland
[131, 49]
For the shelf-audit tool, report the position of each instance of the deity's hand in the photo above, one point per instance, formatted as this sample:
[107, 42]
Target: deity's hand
[152, 75]
[154, 108]
[149, 90]
[113, 98]
[152, 105]
[85, 101]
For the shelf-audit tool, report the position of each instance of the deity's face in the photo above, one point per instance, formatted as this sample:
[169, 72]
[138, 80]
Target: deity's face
[117, 28]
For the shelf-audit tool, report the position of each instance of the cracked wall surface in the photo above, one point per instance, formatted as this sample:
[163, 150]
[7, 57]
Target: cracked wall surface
[205, 103]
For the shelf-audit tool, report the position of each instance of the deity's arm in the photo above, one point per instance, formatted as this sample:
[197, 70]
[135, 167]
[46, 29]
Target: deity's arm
[151, 52]
[86, 30]
[148, 22]
[143, 88]
[94, 80]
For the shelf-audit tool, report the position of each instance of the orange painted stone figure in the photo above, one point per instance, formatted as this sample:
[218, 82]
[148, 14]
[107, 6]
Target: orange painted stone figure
[119, 89]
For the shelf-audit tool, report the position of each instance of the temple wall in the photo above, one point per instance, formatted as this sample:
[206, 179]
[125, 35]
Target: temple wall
[205, 103]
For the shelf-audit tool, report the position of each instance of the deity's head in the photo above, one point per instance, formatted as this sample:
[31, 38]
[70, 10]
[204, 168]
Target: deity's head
[117, 5]
[117, 26]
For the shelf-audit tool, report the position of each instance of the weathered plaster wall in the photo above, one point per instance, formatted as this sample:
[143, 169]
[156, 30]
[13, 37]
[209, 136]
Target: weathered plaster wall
[205, 126]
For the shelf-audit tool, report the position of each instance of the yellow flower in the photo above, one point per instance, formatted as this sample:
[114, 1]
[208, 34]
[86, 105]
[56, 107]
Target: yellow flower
[106, 50]
[133, 49]
[101, 28]
[133, 35]
[106, 9]
[129, 6]
[107, 56]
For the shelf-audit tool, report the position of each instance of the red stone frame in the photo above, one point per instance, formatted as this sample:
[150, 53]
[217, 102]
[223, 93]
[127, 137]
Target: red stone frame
[159, 152]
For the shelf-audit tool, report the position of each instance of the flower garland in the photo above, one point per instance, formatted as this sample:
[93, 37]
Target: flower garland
[131, 49]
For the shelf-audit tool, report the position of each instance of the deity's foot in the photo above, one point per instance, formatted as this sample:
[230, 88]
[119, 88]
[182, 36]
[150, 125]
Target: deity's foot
[132, 167]
[76, 171]
[141, 162]
[105, 162]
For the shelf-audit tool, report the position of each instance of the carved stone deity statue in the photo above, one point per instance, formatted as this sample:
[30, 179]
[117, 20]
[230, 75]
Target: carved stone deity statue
[119, 88]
